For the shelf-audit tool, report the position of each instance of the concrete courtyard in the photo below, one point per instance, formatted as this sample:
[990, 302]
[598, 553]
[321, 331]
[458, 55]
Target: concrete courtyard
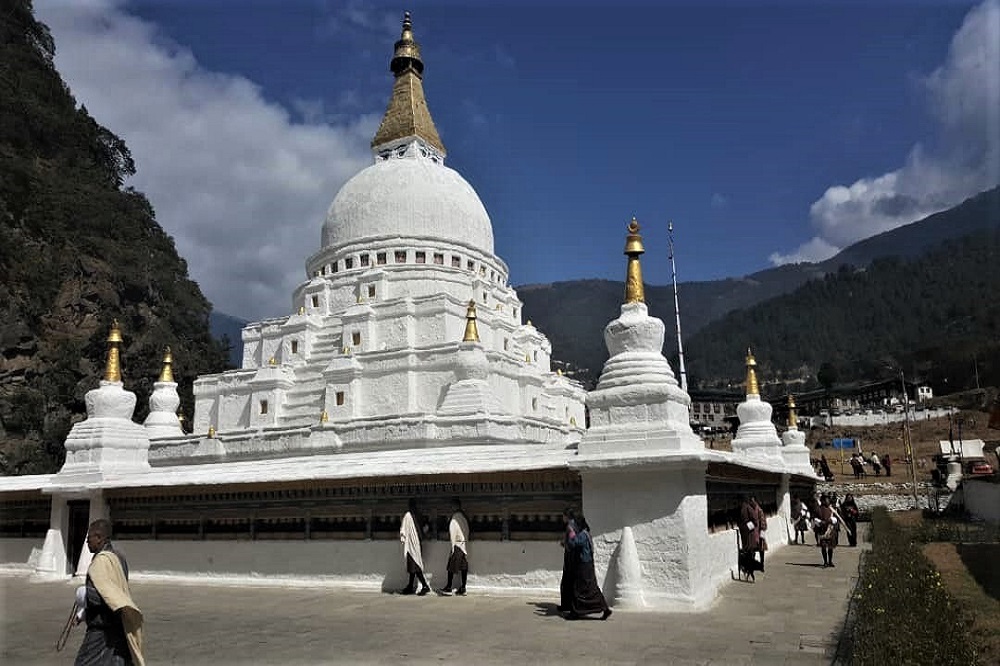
[793, 614]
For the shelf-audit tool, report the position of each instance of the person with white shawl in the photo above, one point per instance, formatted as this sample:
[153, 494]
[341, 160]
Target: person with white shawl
[409, 536]
[458, 560]
[114, 622]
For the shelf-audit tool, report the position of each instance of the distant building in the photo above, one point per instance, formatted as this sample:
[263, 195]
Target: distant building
[714, 408]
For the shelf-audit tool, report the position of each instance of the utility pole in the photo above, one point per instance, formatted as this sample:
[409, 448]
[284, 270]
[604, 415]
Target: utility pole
[677, 310]
[908, 441]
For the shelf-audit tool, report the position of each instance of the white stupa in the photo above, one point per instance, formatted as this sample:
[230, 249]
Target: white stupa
[108, 442]
[374, 357]
[793, 440]
[756, 438]
[638, 403]
[162, 420]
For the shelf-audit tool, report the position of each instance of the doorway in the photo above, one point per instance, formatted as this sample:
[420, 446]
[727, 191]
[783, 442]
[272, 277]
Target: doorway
[79, 515]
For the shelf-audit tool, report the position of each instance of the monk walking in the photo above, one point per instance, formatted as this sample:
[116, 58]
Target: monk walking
[409, 536]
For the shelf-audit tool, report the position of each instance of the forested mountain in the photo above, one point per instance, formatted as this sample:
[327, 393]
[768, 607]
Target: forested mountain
[936, 317]
[573, 314]
[77, 249]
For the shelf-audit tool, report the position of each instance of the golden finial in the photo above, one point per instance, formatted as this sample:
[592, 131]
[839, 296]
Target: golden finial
[272, 361]
[167, 374]
[527, 357]
[361, 299]
[324, 417]
[559, 371]
[471, 330]
[793, 422]
[407, 114]
[345, 351]
[634, 291]
[572, 420]
[211, 432]
[113, 368]
[752, 388]
[302, 309]
[529, 323]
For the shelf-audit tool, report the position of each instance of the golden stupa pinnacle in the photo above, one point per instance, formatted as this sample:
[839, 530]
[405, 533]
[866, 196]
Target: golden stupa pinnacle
[407, 114]
[167, 374]
[113, 368]
[752, 388]
[793, 421]
[634, 292]
[471, 330]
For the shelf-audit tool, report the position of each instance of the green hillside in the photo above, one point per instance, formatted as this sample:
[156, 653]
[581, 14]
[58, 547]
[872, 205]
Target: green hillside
[936, 317]
[77, 249]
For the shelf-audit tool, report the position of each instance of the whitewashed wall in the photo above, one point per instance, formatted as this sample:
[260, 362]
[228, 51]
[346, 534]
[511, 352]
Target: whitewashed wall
[496, 566]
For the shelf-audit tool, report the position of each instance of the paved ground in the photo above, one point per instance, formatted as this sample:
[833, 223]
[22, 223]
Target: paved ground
[792, 615]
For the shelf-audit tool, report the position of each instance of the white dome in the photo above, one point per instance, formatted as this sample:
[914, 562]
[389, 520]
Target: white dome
[412, 196]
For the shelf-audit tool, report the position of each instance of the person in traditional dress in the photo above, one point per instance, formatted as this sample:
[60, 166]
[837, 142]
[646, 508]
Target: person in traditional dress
[749, 534]
[587, 597]
[800, 519]
[887, 464]
[876, 464]
[824, 467]
[760, 518]
[114, 622]
[458, 560]
[828, 530]
[569, 564]
[849, 512]
[409, 536]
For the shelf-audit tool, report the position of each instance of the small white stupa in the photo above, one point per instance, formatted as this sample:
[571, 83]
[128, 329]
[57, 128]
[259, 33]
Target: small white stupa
[638, 406]
[794, 449]
[163, 403]
[108, 441]
[756, 438]
[470, 393]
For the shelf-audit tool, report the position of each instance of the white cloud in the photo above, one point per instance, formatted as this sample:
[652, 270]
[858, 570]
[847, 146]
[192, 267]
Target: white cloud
[964, 96]
[815, 250]
[241, 187]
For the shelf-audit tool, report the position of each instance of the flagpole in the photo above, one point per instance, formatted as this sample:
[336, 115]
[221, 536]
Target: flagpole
[677, 310]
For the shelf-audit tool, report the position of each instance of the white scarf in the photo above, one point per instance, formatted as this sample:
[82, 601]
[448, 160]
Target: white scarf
[410, 539]
[458, 529]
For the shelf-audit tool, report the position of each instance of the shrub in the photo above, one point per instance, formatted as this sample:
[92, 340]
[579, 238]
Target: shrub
[904, 613]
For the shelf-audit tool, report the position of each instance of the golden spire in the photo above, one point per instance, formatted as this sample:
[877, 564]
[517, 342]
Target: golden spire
[211, 432]
[752, 388]
[113, 368]
[407, 114]
[634, 292]
[793, 422]
[167, 374]
[471, 330]
[324, 417]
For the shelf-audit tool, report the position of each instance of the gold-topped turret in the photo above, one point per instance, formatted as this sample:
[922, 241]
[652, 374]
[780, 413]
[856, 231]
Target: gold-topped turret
[471, 330]
[793, 421]
[407, 114]
[167, 373]
[634, 291]
[752, 388]
[113, 367]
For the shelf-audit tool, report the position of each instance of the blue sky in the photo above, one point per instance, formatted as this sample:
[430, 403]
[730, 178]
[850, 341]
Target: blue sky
[767, 132]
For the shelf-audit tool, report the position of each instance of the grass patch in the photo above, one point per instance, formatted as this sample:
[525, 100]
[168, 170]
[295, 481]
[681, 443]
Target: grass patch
[970, 573]
[905, 612]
